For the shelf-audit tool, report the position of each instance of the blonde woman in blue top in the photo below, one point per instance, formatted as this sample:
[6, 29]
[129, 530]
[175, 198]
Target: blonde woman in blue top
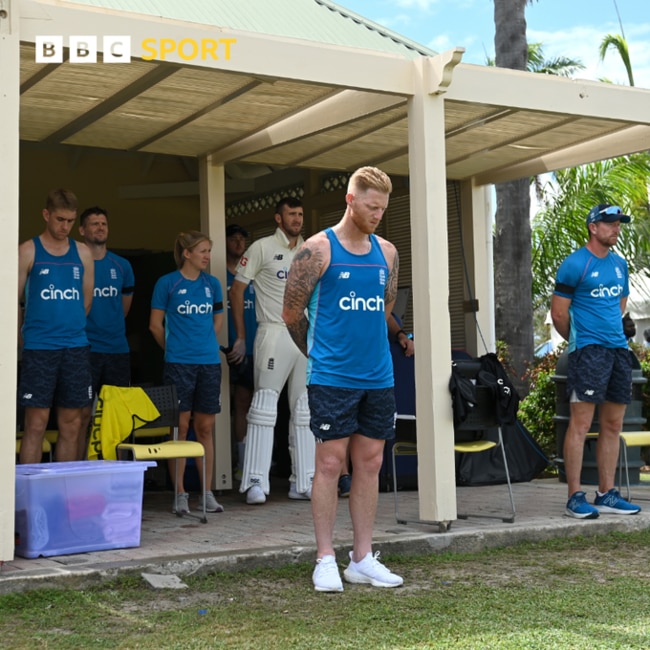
[186, 315]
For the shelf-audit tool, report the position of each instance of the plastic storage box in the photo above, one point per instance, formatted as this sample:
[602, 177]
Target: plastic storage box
[75, 507]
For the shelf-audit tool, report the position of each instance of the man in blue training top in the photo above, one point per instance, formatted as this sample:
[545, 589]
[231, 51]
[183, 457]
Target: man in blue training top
[110, 360]
[55, 286]
[587, 306]
[346, 277]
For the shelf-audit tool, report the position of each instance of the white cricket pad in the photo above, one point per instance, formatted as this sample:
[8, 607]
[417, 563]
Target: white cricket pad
[259, 440]
[302, 444]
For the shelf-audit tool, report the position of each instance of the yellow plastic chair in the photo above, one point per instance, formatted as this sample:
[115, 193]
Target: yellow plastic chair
[46, 446]
[166, 401]
[470, 437]
[627, 439]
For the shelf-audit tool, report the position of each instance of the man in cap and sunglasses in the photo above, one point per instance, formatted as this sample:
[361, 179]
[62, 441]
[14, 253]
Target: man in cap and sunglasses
[591, 291]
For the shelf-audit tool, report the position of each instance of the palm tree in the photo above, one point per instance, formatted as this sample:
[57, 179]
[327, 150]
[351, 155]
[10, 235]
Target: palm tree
[559, 227]
[617, 42]
[560, 66]
[512, 252]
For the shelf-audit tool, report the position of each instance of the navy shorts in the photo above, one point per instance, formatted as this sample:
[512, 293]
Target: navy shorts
[198, 386]
[110, 369]
[339, 412]
[241, 374]
[598, 374]
[55, 378]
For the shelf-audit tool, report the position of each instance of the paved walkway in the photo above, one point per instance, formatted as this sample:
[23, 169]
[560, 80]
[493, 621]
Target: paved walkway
[281, 532]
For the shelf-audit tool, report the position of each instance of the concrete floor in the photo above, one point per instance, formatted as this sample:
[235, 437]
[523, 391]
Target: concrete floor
[280, 532]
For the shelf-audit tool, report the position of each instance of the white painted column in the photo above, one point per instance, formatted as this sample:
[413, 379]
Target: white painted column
[477, 235]
[212, 190]
[9, 143]
[429, 249]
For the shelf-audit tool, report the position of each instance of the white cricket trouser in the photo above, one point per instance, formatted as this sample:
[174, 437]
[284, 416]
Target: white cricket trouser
[278, 360]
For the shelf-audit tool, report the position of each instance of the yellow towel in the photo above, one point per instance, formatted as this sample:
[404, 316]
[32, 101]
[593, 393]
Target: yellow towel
[119, 411]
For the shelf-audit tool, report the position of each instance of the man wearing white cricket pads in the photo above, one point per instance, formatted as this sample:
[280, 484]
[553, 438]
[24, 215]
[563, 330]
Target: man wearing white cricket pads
[347, 279]
[276, 359]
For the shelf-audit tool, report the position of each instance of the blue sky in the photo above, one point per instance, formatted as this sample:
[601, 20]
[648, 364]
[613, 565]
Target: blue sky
[572, 28]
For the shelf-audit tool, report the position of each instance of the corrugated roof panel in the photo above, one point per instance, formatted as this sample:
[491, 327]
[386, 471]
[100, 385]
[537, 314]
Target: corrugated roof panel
[321, 21]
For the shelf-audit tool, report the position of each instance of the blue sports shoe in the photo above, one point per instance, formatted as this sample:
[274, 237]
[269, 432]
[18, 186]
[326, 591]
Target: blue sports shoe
[578, 507]
[613, 503]
[345, 485]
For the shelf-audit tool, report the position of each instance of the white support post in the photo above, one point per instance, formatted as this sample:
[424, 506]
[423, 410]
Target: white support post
[212, 186]
[9, 146]
[435, 436]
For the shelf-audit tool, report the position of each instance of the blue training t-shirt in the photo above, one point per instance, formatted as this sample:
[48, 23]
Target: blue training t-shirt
[55, 316]
[250, 320]
[189, 307]
[595, 286]
[348, 336]
[105, 327]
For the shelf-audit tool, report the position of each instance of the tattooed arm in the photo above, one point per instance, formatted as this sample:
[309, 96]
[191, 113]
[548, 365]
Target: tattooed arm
[306, 269]
[392, 259]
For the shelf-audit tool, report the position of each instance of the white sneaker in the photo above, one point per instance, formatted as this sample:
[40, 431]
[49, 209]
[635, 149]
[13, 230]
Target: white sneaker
[370, 571]
[255, 496]
[326, 575]
[294, 494]
[211, 504]
[181, 504]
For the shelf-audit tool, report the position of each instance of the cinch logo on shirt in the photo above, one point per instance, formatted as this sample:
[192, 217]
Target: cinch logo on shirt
[187, 308]
[352, 303]
[282, 274]
[105, 292]
[51, 293]
[607, 292]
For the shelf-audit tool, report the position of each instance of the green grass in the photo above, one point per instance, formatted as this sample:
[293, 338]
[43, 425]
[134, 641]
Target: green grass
[567, 593]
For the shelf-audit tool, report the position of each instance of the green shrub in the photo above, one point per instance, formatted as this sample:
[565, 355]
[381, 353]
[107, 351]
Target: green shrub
[537, 409]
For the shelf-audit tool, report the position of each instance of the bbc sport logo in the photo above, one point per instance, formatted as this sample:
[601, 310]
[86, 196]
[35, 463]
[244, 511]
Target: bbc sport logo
[117, 49]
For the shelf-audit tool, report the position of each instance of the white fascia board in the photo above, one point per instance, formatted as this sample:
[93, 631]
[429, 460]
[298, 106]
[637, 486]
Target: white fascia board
[538, 92]
[239, 52]
[622, 143]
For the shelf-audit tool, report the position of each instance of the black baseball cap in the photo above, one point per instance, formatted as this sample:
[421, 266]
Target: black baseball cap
[235, 229]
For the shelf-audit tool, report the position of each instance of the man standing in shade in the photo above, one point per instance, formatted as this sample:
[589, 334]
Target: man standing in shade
[110, 360]
[241, 374]
[591, 290]
[276, 359]
[346, 277]
[55, 284]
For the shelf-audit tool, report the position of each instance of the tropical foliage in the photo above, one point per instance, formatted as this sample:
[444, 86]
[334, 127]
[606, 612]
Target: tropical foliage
[559, 227]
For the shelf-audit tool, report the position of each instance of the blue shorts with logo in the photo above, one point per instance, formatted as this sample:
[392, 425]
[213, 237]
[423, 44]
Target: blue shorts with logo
[598, 374]
[55, 378]
[339, 412]
[198, 385]
[110, 369]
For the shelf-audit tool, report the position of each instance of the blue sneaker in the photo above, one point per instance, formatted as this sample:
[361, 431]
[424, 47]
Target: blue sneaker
[345, 485]
[578, 507]
[613, 503]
